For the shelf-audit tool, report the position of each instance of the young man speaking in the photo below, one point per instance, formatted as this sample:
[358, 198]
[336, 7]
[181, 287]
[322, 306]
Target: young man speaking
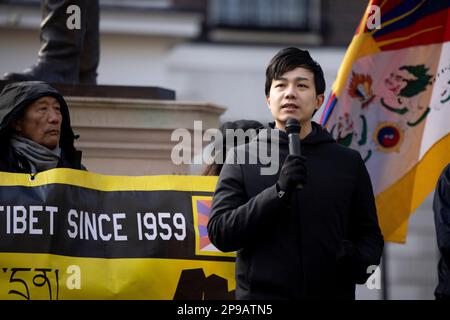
[313, 242]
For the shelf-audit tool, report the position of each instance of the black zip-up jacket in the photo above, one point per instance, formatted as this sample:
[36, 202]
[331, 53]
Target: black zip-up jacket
[14, 99]
[441, 208]
[318, 245]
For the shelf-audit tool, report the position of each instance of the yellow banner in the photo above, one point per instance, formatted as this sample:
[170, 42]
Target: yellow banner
[69, 234]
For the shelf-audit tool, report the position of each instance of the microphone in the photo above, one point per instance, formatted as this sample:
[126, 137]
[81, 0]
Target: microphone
[293, 130]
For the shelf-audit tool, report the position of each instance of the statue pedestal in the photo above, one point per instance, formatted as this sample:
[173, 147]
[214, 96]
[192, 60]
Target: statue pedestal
[124, 136]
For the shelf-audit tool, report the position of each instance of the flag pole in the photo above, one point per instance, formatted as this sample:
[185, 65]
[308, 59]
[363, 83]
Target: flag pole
[384, 276]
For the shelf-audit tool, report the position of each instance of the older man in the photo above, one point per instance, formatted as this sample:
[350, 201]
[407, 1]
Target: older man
[35, 131]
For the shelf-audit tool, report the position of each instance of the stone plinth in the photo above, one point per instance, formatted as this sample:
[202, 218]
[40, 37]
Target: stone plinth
[124, 136]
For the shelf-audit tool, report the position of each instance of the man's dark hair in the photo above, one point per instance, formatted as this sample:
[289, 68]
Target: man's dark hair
[290, 58]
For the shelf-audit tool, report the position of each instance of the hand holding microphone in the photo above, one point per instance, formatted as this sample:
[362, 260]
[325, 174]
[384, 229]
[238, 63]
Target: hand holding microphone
[293, 171]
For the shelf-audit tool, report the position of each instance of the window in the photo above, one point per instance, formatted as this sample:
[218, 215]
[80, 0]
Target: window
[288, 15]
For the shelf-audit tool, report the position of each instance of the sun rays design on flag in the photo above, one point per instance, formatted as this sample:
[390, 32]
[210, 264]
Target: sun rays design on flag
[203, 211]
[412, 23]
[201, 206]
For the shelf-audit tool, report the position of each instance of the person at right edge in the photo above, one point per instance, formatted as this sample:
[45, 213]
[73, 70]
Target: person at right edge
[441, 208]
[316, 242]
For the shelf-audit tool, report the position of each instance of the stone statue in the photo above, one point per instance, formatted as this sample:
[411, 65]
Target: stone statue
[69, 52]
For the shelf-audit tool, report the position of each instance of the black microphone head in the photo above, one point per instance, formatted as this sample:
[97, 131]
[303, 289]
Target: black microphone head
[292, 126]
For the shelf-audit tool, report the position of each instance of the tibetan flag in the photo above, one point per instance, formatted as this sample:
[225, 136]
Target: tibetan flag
[391, 102]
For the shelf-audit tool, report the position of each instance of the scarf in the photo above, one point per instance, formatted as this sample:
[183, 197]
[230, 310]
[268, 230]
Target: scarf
[39, 157]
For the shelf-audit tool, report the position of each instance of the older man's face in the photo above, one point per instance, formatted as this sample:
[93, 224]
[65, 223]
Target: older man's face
[42, 122]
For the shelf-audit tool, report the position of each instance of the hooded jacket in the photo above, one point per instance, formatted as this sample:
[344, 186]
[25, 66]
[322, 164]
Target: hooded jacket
[441, 208]
[14, 99]
[319, 244]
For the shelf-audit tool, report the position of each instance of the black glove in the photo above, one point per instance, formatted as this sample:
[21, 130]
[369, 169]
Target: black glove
[293, 172]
